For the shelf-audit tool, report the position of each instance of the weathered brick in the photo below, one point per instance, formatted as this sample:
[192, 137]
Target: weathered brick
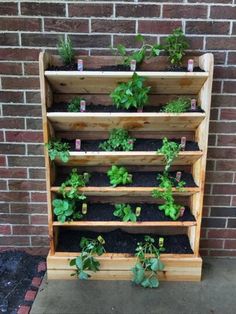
[9, 39]
[28, 230]
[8, 123]
[213, 222]
[30, 295]
[36, 282]
[8, 8]
[16, 54]
[223, 212]
[34, 124]
[31, 68]
[38, 197]
[28, 185]
[66, 25]
[33, 97]
[208, 243]
[219, 43]
[90, 9]
[23, 309]
[231, 223]
[112, 26]
[223, 100]
[228, 114]
[225, 165]
[37, 173]
[10, 68]
[44, 9]
[24, 136]
[137, 10]
[157, 27]
[225, 72]
[226, 189]
[219, 177]
[211, 1]
[15, 241]
[2, 161]
[230, 244]
[5, 229]
[91, 41]
[216, 86]
[13, 173]
[221, 153]
[129, 41]
[226, 140]
[40, 40]
[25, 161]
[212, 27]
[11, 97]
[22, 110]
[222, 127]
[14, 219]
[229, 87]
[20, 82]
[5, 208]
[39, 219]
[14, 197]
[20, 24]
[222, 233]
[184, 11]
[232, 57]
[28, 208]
[224, 253]
[12, 149]
[35, 150]
[40, 241]
[223, 12]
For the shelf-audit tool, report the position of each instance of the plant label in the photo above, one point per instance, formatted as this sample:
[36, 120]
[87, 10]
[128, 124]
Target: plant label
[193, 104]
[101, 240]
[178, 176]
[161, 242]
[82, 106]
[183, 143]
[78, 144]
[181, 211]
[138, 211]
[84, 208]
[190, 65]
[133, 65]
[80, 65]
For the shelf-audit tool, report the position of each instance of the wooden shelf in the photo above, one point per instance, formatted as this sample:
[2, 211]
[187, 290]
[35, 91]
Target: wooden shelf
[120, 224]
[127, 158]
[65, 121]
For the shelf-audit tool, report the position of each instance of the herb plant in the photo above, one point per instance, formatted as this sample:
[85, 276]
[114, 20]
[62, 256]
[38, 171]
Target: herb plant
[146, 268]
[56, 148]
[65, 210]
[125, 212]
[86, 261]
[131, 94]
[74, 105]
[66, 51]
[178, 105]
[170, 150]
[119, 175]
[119, 140]
[175, 46]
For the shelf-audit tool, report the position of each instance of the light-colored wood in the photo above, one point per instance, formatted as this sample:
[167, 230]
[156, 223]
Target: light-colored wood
[67, 121]
[126, 224]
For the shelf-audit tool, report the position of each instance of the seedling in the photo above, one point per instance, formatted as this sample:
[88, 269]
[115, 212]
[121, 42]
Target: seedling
[131, 94]
[74, 105]
[84, 208]
[119, 176]
[178, 105]
[125, 212]
[146, 268]
[119, 140]
[170, 150]
[86, 261]
[175, 46]
[56, 148]
[138, 211]
[65, 210]
[66, 51]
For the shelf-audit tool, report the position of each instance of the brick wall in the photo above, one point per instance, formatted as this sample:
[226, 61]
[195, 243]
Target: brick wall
[29, 27]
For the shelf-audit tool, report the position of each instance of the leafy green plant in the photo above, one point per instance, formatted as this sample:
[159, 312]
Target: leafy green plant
[56, 148]
[170, 150]
[146, 51]
[86, 261]
[178, 105]
[146, 268]
[119, 140]
[170, 208]
[175, 46]
[65, 210]
[74, 181]
[125, 212]
[66, 51]
[74, 105]
[119, 175]
[131, 94]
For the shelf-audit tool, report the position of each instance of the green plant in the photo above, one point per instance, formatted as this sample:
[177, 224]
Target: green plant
[145, 51]
[175, 46]
[58, 149]
[178, 105]
[170, 208]
[131, 94]
[170, 150]
[74, 181]
[86, 260]
[74, 105]
[146, 268]
[66, 51]
[65, 210]
[119, 139]
[125, 212]
[119, 175]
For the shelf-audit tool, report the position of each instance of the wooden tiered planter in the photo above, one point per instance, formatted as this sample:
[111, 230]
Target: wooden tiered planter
[94, 86]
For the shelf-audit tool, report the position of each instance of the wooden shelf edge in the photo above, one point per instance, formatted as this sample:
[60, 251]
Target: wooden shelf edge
[132, 153]
[125, 224]
[126, 114]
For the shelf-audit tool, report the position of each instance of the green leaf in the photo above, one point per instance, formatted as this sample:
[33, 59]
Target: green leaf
[83, 275]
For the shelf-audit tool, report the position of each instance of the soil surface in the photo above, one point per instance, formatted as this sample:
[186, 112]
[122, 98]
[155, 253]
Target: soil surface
[139, 145]
[119, 241]
[17, 270]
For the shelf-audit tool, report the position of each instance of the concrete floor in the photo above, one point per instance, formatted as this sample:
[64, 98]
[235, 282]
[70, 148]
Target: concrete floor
[215, 294]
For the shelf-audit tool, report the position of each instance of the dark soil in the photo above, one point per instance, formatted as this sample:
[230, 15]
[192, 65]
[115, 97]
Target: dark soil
[139, 145]
[62, 107]
[119, 241]
[17, 270]
[149, 212]
[139, 179]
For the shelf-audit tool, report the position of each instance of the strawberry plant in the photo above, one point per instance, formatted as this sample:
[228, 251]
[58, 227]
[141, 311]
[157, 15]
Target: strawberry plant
[119, 140]
[56, 148]
[86, 261]
[131, 94]
[146, 268]
[119, 175]
[178, 105]
[125, 212]
[65, 210]
[74, 105]
[66, 51]
[170, 150]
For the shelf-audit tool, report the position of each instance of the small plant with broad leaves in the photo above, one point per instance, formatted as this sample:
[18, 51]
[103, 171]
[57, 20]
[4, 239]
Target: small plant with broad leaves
[65, 210]
[125, 212]
[119, 140]
[175, 46]
[170, 150]
[145, 271]
[131, 94]
[74, 182]
[66, 51]
[86, 261]
[56, 148]
[74, 105]
[178, 105]
[170, 208]
[146, 51]
[119, 176]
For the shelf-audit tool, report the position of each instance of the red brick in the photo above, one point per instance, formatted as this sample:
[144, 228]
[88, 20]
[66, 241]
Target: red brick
[40, 241]
[14, 196]
[223, 212]
[39, 219]
[40, 40]
[221, 153]
[223, 12]
[216, 87]
[230, 244]
[214, 114]
[9, 39]
[229, 86]
[33, 97]
[225, 165]
[137, 10]
[34, 124]
[222, 127]
[222, 253]
[222, 233]
[211, 1]
[157, 27]
[231, 223]
[44, 9]
[21, 54]
[90, 9]
[9, 123]
[217, 43]
[24, 136]
[5, 229]
[234, 198]
[213, 222]
[12, 149]
[91, 41]
[29, 185]
[223, 100]
[184, 11]
[28, 230]
[23, 309]
[228, 114]
[224, 72]
[66, 25]
[9, 8]
[22, 110]
[113, 26]
[232, 57]
[13, 173]
[214, 28]
[219, 177]
[14, 240]
[217, 200]
[29, 208]
[226, 189]
[14, 161]
[20, 83]
[3, 185]
[20, 24]
[209, 243]
[14, 219]
[36, 282]
[2, 161]
[11, 68]
[129, 41]
[38, 197]
[234, 29]
[30, 295]
[226, 140]
[37, 173]
[14, 97]
[42, 266]
[31, 69]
